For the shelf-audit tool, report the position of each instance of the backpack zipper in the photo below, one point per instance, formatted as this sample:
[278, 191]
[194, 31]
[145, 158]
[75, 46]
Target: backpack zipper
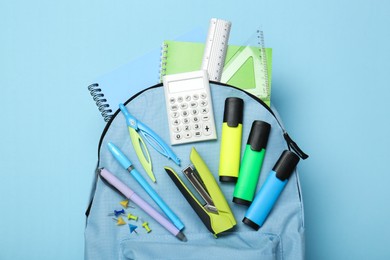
[290, 142]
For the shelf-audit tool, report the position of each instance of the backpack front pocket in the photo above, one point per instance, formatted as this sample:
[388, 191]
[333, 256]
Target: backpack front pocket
[237, 245]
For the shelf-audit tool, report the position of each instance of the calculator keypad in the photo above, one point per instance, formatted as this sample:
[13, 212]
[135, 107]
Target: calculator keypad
[189, 107]
[190, 118]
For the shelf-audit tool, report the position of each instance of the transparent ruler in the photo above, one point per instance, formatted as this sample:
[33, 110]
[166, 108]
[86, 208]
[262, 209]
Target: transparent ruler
[215, 48]
[257, 55]
[266, 91]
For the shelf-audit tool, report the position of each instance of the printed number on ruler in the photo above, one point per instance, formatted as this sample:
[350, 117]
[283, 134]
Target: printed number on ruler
[216, 47]
[266, 90]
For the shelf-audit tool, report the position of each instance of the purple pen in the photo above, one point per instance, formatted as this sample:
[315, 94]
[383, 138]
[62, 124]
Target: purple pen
[131, 195]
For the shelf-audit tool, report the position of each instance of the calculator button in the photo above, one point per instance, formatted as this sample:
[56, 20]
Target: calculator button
[180, 99]
[197, 126]
[188, 98]
[172, 100]
[175, 114]
[178, 136]
[203, 103]
[176, 129]
[187, 135]
[183, 105]
[187, 128]
[195, 119]
[194, 112]
[184, 113]
[186, 121]
[195, 96]
[203, 95]
[193, 104]
[174, 107]
[175, 122]
[205, 118]
[204, 110]
[198, 133]
[206, 129]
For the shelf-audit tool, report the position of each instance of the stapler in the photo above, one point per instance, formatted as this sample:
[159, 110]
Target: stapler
[215, 212]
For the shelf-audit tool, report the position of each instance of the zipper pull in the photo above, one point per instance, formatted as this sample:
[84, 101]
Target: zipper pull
[291, 144]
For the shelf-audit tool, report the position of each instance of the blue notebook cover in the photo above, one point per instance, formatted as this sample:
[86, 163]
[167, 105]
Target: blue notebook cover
[119, 85]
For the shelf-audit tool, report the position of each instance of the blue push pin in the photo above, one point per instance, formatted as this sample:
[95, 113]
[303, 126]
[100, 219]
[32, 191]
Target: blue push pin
[117, 213]
[133, 228]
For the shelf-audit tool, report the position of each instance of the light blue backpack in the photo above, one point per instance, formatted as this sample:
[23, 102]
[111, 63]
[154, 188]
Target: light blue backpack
[281, 236]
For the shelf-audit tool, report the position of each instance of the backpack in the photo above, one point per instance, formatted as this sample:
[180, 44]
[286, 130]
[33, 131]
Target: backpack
[281, 237]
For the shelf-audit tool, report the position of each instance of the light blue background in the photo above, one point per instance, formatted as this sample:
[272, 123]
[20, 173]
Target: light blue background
[330, 85]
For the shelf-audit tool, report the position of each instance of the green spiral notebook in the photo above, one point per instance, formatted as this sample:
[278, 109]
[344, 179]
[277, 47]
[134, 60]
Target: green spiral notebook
[244, 66]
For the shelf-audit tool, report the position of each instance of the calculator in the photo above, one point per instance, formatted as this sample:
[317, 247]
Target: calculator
[189, 107]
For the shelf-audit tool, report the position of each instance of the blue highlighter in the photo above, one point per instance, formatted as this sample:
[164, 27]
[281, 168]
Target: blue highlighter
[270, 191]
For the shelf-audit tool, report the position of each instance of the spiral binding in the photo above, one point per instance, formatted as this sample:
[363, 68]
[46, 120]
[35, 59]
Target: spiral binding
[263, 57]
[163, 61]
[101, 102]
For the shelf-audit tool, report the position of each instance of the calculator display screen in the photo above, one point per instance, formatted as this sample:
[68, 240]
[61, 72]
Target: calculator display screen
[185, 85]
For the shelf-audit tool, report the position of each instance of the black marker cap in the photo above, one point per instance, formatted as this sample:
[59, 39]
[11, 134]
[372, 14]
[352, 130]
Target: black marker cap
[227, 179]
[285, 165]
[259, 134]
[234, 110]
[242, 201]
[251, 223]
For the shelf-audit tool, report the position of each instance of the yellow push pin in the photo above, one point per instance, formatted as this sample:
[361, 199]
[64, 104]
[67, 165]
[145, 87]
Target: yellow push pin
[146, 226]
[130, 216]
[120, 221]
[125, 204]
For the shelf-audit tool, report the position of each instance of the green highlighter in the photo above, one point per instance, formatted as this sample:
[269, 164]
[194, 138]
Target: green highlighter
[251, 163]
